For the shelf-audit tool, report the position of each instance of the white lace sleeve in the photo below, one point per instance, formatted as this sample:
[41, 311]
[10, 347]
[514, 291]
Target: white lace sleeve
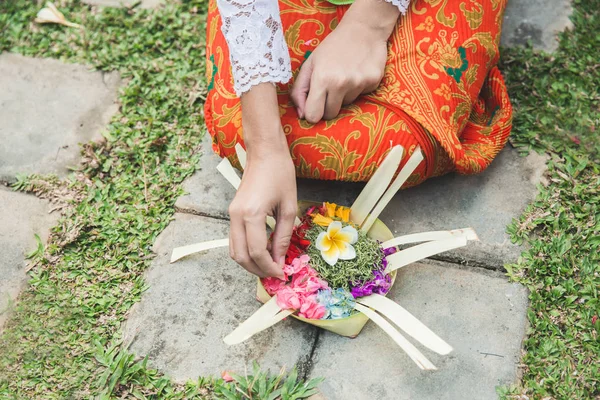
[257, 49]
[401, 4]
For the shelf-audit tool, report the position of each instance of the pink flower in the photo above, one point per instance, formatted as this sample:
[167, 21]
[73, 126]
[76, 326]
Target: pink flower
[288, 299]
[297, 264]
[311, 309]
[273, 285]
[226, 377]
[307, 281]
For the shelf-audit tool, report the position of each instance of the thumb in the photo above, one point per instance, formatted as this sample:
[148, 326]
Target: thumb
[283, 234]
[301, 87]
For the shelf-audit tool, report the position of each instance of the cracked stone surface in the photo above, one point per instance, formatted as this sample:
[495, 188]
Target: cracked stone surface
[22, 217]
[47, 108]
[535, 21]
[125, 3]
[480, 314]
[487, 202]
[192, 304]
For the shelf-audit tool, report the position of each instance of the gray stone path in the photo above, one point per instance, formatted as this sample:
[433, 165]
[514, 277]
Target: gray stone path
[478, 313]
[47, 109]
[475, 309]
[21, 217]
[535, 21]
[192, 304]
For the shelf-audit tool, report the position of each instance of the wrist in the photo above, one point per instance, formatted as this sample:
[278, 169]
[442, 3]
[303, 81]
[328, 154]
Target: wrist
[377, 17]
[262, 130]
[266, 145]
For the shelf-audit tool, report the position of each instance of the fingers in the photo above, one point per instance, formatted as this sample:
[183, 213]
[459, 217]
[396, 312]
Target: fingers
[256, 237]
[238, 249]
[351, 96]
[283, 232]
[315, 102]
[301, 87]
[333, 104]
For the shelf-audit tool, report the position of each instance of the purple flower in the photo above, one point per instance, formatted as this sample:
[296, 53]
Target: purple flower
[388, 251]
[380, 284]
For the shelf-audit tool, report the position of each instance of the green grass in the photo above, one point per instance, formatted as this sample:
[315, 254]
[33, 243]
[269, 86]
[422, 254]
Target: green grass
[62, 341]
[557, 104]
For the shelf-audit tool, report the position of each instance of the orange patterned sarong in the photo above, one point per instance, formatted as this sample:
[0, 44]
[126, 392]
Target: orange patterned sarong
[441, 91]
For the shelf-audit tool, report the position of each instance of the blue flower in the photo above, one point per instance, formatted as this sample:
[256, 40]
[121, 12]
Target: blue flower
[338, 303]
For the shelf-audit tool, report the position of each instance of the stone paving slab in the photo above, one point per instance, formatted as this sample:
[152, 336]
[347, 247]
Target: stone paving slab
[535, 21]
[208, 192]
[125, 3]
[21, 216]
[47, 108]
[192, 304]
[487, 202]
[480, 314]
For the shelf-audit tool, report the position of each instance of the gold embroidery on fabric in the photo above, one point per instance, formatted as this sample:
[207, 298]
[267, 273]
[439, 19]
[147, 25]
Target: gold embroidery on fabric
[474, 16]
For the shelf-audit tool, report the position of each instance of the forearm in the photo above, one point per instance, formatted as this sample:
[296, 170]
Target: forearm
[263, 134]
[377, 15]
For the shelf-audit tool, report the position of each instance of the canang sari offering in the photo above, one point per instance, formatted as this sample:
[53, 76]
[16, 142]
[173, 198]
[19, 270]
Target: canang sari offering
[342, 262]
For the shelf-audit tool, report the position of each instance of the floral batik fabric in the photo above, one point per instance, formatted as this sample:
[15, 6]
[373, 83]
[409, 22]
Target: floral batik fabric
[441, 91]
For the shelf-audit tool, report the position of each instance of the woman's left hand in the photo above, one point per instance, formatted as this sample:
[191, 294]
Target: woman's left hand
[348, 63]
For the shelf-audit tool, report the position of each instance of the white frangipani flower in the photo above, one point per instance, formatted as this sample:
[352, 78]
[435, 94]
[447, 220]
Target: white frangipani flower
[51, 15]
[336, 243]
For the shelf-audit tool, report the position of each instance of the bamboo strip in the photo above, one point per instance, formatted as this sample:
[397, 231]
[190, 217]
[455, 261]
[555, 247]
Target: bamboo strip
[241, 155]
[226, 169]
[414, 353]
[267, 323]
[412, 164]
[469, 233]
[183, 251]
[407, 322]
[376, 186]
[421, 251]
[267, 315]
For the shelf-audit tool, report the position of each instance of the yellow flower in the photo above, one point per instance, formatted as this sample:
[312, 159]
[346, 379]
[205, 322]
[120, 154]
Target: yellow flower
[336, 243]
[321, 220]
[330, 207]
[343, 213]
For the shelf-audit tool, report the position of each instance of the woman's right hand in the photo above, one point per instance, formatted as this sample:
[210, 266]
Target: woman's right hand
[268, 188]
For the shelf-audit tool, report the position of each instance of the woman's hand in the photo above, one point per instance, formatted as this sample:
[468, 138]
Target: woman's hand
[268, 188]
[348, 63]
